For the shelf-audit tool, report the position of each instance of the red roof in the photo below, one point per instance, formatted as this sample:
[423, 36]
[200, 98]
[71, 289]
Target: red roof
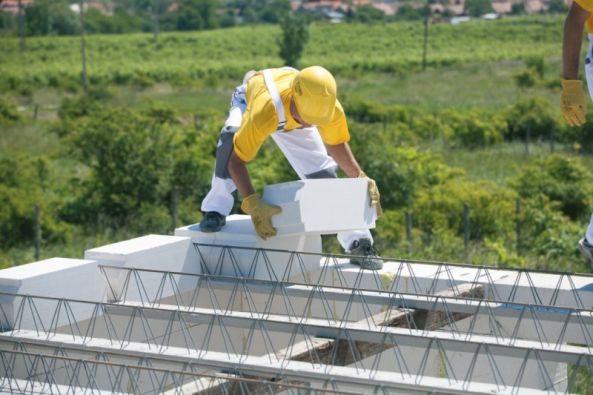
[12, 6]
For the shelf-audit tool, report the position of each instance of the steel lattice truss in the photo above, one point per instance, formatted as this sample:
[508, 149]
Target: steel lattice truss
[335, 329]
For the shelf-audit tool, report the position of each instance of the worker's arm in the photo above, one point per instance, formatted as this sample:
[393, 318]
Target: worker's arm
[240, 175]
[573, 39]
[573, 103]
[261, 212]
[343, 156]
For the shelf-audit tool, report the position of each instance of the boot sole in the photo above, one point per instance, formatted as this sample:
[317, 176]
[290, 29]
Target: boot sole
[375, 267]
[209, 230]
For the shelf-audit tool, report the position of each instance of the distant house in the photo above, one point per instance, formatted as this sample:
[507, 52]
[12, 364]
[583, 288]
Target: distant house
[388, 9]
[333, 11]
[103, 8]
[173, 7]
[12, 6]
[502, 7]
[536, 6]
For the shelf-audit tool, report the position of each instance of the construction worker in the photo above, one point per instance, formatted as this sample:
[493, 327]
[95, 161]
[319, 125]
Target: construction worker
[573, 102]
[285, 104]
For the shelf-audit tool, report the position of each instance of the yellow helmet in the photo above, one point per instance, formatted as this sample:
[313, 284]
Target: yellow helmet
[314, 91]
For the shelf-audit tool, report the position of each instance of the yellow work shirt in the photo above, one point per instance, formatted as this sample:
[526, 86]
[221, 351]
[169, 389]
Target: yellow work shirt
[261, 120]
[587, 6]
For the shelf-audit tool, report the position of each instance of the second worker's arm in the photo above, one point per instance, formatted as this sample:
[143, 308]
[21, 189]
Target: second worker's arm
[573, 103]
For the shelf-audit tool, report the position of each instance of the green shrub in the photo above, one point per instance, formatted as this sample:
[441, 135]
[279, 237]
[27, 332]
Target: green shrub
[474, 129]
[162, 113]
[440, 208]
[561, 180]
[130, 158]
[537, 112]
[400, 172]
[526, 78]
[538, 64]
[141, 80]
[366, 111]
[550, 238]
[9, 114]
[21, 181]
[582, 135]
[428, 126]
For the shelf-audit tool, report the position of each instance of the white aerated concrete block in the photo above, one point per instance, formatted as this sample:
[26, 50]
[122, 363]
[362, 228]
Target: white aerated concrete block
[58, 278]
[239, 232]
[325, 206]
[166, 253]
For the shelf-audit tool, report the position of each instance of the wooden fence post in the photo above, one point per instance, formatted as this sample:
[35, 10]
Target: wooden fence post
[527, 137]
[466, 227]
[518, 219]
[37, 232]
[552, 137]
[174, 208]
[409, 230]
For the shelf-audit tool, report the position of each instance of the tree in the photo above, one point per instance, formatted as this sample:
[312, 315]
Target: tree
[407, 13]
[476, 8]
[228, 19]
[197, 15]
[557, 7]
[38, 19]
[7, 21]
[295, 34]
[189, 19]
[65, 22]
[366, 13]
[51, 17]
[130, 158]
[249, 15]
[275, 11]
[518, 9]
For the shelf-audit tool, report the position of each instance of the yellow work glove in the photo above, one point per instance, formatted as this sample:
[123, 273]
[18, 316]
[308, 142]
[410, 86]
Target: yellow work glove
[573, 103]
[260, 212]
[373, 193]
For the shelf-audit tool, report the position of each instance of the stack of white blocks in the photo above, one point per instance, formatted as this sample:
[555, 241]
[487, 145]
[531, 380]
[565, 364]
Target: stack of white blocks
[166, 253]
[56, 278]
[310, 209]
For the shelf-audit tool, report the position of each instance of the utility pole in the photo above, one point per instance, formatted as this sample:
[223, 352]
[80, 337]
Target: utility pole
[21, 22]
[156, 20]
[424, 52]
[85, 81]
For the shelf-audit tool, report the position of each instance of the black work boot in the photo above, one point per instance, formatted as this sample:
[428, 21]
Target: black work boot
[212, 222]
[363, 247]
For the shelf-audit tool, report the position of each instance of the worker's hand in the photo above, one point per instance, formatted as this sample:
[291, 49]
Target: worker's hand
[261, 213]
[373, 193]
[573, 103]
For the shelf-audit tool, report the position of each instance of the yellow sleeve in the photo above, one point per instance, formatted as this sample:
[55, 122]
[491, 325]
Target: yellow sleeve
[586, 4]
[335, 132]
[249, 138]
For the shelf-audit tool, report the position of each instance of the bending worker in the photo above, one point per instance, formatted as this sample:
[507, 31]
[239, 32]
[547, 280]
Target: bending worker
[285, 104]
[573, 102]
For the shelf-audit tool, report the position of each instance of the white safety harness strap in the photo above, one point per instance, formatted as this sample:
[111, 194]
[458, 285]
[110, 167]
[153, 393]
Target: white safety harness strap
[269, 80]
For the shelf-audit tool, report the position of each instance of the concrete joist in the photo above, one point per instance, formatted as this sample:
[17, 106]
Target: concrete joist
[503, 320]
[355, 379]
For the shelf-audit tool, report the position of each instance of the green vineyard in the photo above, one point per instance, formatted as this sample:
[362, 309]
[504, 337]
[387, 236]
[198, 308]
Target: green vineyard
[182, 59]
